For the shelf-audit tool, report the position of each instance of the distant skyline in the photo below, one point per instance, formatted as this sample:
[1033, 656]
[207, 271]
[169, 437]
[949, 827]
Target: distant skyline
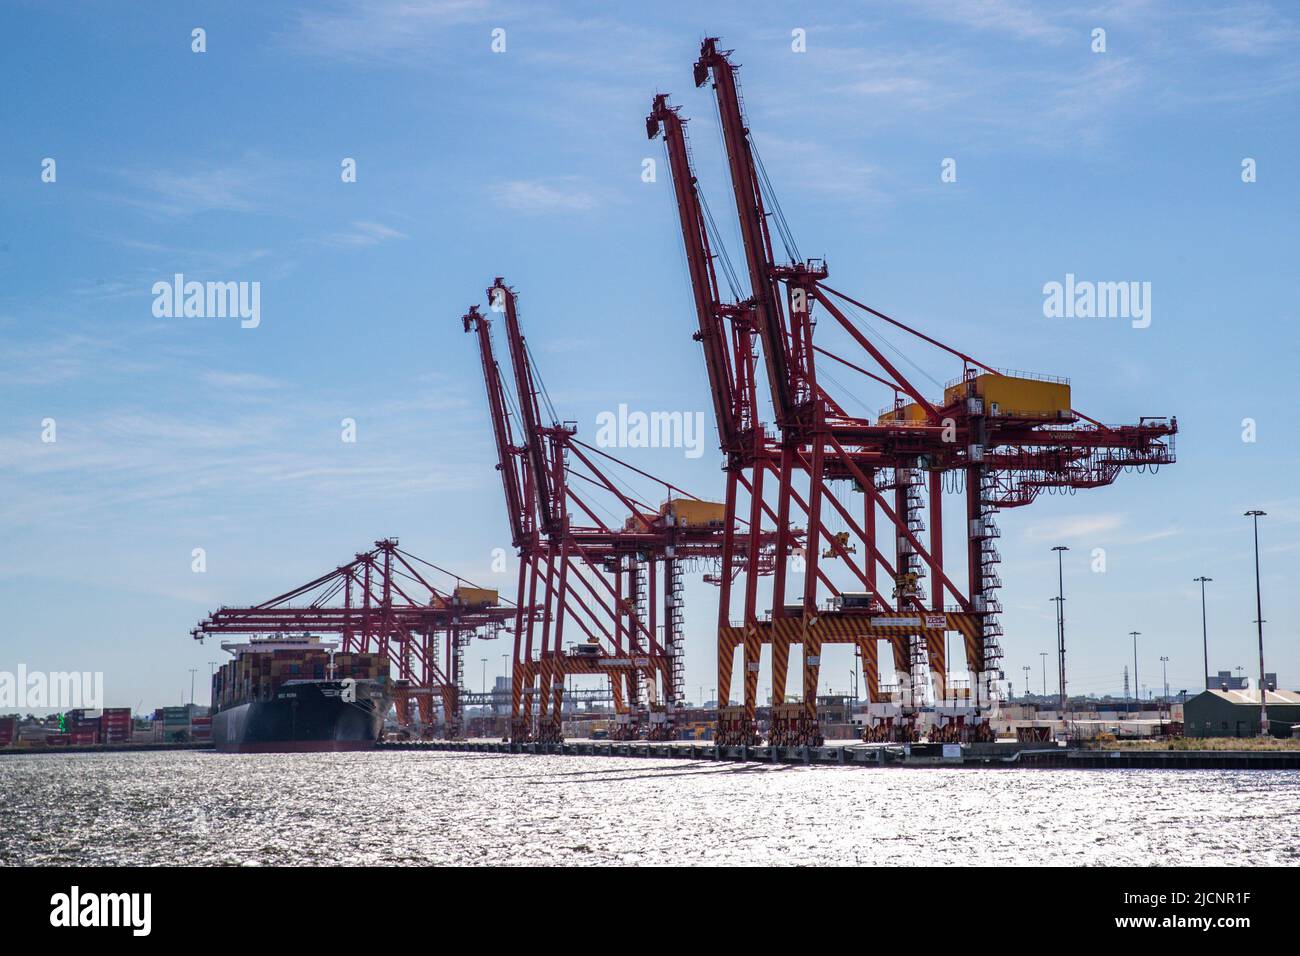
[1164, 160]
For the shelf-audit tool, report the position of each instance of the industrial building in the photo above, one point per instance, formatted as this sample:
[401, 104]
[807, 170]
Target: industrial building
[1235, 713]
[1226, 680]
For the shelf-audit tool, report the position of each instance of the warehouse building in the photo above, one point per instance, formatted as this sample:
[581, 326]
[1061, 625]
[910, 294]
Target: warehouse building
[1224, 680]
[1235, 713]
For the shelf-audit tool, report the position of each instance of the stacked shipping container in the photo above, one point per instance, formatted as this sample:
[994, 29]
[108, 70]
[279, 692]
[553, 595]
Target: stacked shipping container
[257, 676]
[115, 725]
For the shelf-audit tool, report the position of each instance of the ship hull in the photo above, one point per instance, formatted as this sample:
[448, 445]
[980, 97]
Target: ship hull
[305, 717]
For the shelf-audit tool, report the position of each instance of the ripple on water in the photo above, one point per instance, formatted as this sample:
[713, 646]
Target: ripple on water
[492, 809]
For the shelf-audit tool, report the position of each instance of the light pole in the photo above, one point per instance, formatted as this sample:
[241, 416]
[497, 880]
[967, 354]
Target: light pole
[1137, 688]
[1164, 677]
[1026, 669]
[1259, 623]
[1205, 638]
[190, 710]
[1060, 550]
[857, 653]
[1043, 655]
[484, 660]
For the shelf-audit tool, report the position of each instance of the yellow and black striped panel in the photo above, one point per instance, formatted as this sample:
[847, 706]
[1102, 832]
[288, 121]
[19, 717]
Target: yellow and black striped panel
[870, 668]
[728, 638]
[780, 666]
[596, 665]
[812, 654]
[848, 629]
[753, 654]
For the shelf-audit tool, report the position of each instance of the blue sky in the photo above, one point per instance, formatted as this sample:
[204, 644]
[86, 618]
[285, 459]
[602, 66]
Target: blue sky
[182, 433]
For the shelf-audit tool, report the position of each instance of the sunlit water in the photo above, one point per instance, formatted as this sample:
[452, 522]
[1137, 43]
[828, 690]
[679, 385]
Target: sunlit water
[407, 807]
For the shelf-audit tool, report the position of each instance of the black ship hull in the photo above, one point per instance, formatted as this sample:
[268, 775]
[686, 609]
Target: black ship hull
[304, 717]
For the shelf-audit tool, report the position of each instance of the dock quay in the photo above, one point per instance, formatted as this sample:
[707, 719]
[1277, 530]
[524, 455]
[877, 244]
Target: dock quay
[1003, 754]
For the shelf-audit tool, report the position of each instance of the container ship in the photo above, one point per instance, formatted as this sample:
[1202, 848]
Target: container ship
[294, 694]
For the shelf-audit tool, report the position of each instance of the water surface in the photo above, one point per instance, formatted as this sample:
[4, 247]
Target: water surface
[494, 809]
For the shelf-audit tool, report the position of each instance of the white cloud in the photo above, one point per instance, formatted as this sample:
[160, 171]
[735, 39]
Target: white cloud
[239, 381]
[280, 458]
[549, 195]
[1018, 19]
[382, 30]
[185, 193]
[66, 356]
[364, 233]
[816, 167]
[1251, 30]
[1072, 529]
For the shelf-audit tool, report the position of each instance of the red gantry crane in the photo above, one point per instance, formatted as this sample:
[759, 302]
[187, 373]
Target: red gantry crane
[529, 497]
[620, 582]
[383, 602]
[997, 438]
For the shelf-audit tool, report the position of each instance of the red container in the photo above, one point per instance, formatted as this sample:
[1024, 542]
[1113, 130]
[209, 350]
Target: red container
[58, 740]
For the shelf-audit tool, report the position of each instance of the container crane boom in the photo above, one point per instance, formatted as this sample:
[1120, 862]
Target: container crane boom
[521, 513]
[753, 227]
[709, 310]
[502, 298]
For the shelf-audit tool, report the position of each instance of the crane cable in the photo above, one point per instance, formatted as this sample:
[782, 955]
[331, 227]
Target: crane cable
[778, 217]
[715, 238]
[541, 384]
[864, 320]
